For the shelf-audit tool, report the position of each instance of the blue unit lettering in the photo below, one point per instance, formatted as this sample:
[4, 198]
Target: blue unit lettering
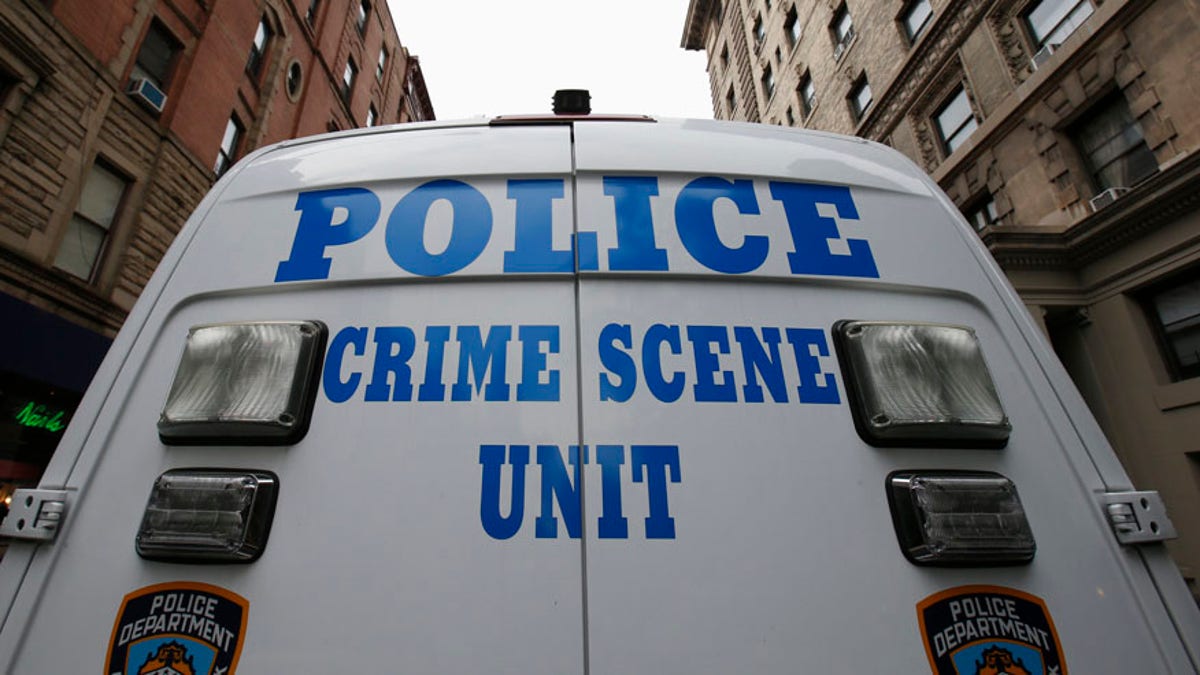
[357, 210]
[394, 346]
[491, 457]
[663, 389]
[655, 466]
[618, 363]
[559, 487]
[756, 361]
[611, 524]
[698, 229]
[336, 389]
[635, 249]
[475, 357]
[470, 230]
[533, 363]
[431, 388]
[811, 231]
[707, 363]
[808, 367]
[533, 250]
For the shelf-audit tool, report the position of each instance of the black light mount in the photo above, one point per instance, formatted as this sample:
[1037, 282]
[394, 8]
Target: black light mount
[572, 102]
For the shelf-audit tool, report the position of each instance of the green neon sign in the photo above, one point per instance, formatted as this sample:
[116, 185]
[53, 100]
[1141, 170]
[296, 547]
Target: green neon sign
[37, 416]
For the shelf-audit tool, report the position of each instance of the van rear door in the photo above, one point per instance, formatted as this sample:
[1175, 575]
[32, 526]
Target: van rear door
[378, 553]
[736, 520]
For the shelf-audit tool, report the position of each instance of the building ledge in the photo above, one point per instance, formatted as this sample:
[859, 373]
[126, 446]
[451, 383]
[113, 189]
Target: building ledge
[1155, 202]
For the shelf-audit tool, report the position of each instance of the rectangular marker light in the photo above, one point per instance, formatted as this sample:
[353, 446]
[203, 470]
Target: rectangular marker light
[201, 515]
[919, 384]
[248, 383]
[959, 519]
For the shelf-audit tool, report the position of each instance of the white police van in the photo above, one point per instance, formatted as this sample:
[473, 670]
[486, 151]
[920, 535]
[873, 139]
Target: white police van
[585, 394]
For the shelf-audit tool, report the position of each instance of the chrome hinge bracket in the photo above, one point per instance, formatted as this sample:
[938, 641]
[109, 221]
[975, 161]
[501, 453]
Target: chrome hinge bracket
[35, 515]
[1137, 517]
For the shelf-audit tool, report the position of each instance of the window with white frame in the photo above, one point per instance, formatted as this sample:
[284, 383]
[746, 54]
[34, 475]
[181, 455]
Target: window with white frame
[768, 82]
[90, 224]
[808, 94]
[364, 11]
[1051, 21]
[842, 30]
[227, 153]
[372, 116]
[1111, 143]
[791, 27]
[760, 31]
[348, 77]
[382, 63]
[258, 49]
[955, 121]
[915, 18]
[982, 212]
[860, 98]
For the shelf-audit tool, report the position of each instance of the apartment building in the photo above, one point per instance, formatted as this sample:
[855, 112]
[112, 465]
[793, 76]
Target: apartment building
[116, 116]
[1067, 133]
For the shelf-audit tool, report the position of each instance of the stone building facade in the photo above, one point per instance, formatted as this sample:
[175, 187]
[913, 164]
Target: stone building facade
[1066, 131]
[116, 116]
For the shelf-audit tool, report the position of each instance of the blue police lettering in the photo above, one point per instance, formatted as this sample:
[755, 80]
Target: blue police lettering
[666, 366]
[655, 466]
[481, 358]
[341, 217]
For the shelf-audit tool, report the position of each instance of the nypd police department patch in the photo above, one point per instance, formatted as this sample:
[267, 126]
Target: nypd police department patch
[181, 628]
[989, 630]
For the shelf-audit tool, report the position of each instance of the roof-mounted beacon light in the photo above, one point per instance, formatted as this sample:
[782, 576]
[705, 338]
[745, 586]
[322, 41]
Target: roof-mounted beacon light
[572, 102]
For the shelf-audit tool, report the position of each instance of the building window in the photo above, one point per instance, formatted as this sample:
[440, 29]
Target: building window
[227, 153]
[982, 212]
[842, 30]
[731, 101]
[348, 76]
[1111, 143]
[258, 49]
[1051, 21]
[1176, 311]
[778, 56]
[295, 77]
[760, 31]
[86, 234]
[791, 117]
[955, 121]
[725, 57]
[371, 115]
[310, 17]
[915, 18]
[156, 57]
[860, 98]
[768, 82]
[808, 95]
[381, 65]
[364, 10]
[791, 27]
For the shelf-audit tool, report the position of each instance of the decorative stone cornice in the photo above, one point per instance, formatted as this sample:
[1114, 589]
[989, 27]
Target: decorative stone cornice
[695, 25]
[1161, 199]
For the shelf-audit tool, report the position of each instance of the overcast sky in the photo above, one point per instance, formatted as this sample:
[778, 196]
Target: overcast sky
[508, 56]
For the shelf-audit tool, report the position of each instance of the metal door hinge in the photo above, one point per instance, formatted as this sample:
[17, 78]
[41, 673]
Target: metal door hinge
[35, 515]
[1137, 517]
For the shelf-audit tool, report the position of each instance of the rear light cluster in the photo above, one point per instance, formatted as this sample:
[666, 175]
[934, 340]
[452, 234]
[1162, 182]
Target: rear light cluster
[908, 384]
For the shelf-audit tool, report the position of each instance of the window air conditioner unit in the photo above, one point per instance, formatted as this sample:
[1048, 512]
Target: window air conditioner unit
[147, 92]
[1043, 54]
[1107, 197]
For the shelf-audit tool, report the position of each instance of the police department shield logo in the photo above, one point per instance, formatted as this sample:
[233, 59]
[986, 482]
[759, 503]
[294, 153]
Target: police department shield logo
[178, 628]
[989, 630]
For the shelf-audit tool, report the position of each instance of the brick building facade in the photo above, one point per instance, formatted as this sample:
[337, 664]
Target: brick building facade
[116, 116]
[1067, 133]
